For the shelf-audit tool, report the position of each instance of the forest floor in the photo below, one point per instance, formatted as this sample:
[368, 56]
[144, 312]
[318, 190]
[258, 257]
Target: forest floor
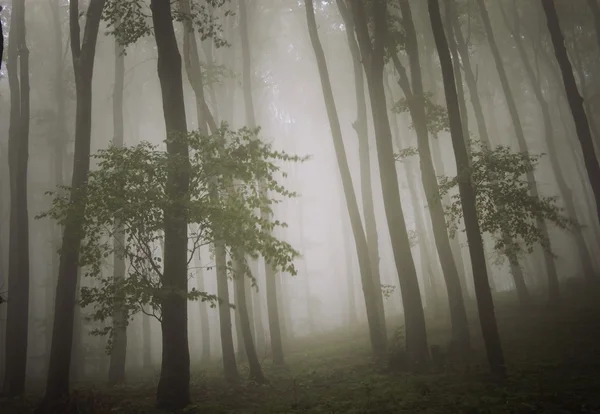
[553, 362]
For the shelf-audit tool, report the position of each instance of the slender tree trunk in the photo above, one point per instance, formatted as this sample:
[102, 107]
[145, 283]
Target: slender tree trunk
[552, 273]
[203, 312]
[348, 253]
[584, 254]
[116, 370]
[377, 336]
[463, 50]
[485, 302]
[17, 313]
[361, 128]
[83, 53]
[174, 384]
[257, 299]
[373, 62]
[256, 373]
[575, 101]
[458, 314]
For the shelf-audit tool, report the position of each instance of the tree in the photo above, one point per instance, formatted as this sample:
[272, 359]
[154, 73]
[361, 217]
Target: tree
[372, 52]
[116, 370]
[485, 304]
[17, 315]
[576, 103]
[83, 52]
[553, 285]
[535, 82]
[361, 128]
[417, 105]
[377, 337]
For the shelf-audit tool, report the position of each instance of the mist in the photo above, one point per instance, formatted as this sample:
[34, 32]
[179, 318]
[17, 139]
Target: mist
[285, 206]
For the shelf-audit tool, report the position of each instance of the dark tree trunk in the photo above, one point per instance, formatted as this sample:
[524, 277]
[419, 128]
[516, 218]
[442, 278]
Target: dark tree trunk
[256, 373]
[361, 128]
[83, 53]
[116, 370]
[584, 253]
[552, 273]
[485, 304]
[373, 62]
[463, 50]
[377, 336]
[229, 363]
[174, 384]
[458, 314]
[17, 313]
[575, 100]
[257, 300]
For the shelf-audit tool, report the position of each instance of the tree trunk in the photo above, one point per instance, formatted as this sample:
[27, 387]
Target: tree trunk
[523, 147]
[377, 336]
[256, 373]
[83, 53]
[174, 384]
[17, 312]
[361, 128]
[575, 100]
[257, 299]
[147, 343]
[485, 304]
[116, 370]
[373, 62]
[463, 50]
[203, 312]
[458, 314]
[584, 254]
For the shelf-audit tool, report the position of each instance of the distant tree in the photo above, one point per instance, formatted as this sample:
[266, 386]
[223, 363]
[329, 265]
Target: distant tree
[17, 315]
[485, 304]
[575, 100]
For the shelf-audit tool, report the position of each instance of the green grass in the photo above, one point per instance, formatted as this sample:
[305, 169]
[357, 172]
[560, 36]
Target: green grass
[553, 362]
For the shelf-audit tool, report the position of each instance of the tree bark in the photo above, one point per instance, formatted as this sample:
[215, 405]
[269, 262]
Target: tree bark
[375, 324]
[174, 384]
[203, 312]
[83, 53]
[373, 63]
[485, 302]
[17, 313]
[575, 100]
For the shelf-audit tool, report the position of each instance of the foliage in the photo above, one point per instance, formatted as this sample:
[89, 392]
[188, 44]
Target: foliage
[131, 184]
[405, 153]
[387, 290]
[213, 74]
[437, 115]
[503, 200]
[130, 20]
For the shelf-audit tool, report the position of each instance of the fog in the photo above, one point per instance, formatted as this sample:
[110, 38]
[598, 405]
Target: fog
[354, 245]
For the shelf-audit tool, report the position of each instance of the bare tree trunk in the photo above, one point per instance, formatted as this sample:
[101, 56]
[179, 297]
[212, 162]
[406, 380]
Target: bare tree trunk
[458, 314]
[373, 63]
[17, 312]
[256, 373]
[83, 53]
[485, 302]
[116, 371]
[147, 343]
[377, 336]
[257, 300]
[575, 101]
[361, 128]
[203, 312]
[174, 384]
